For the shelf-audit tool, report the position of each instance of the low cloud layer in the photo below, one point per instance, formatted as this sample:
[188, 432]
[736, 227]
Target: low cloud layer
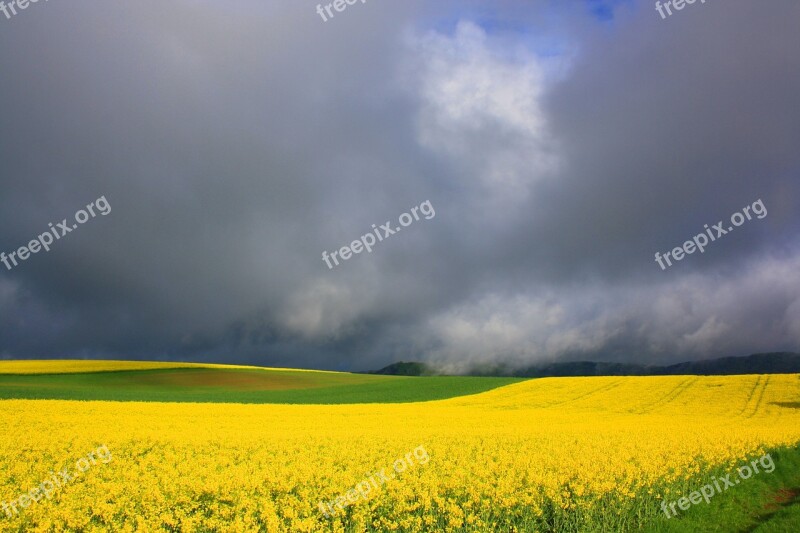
[561, 146]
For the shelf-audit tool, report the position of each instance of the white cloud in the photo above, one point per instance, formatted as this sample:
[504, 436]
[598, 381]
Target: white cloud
[323, 310]
[481, 106]
[700, 315]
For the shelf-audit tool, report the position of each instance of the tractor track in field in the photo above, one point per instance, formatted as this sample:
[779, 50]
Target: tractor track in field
[604, 388]
[668, 397]
[758, 394]
[760, 398]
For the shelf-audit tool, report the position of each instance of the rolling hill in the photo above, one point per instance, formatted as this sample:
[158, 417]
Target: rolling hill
[188, 382]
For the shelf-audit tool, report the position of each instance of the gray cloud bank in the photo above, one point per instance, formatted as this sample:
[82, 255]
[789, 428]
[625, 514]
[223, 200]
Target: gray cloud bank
[560, 151]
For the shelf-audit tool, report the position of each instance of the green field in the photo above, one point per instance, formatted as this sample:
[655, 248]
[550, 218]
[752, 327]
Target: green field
[764, 504]
[237, 385]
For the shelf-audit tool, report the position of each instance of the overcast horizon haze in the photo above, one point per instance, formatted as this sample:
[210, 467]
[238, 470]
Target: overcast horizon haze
[561, 145]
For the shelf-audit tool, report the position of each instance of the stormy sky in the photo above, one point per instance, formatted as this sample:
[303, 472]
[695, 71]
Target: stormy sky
[561, 144]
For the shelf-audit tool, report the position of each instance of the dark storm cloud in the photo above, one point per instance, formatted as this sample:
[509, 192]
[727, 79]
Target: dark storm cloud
[560, 150]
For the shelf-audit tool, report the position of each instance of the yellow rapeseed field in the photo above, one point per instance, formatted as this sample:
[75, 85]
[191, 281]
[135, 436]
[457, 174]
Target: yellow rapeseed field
[549, 451]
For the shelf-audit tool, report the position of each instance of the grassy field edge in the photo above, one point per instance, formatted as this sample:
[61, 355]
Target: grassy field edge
[766, 502]
[169, 385]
